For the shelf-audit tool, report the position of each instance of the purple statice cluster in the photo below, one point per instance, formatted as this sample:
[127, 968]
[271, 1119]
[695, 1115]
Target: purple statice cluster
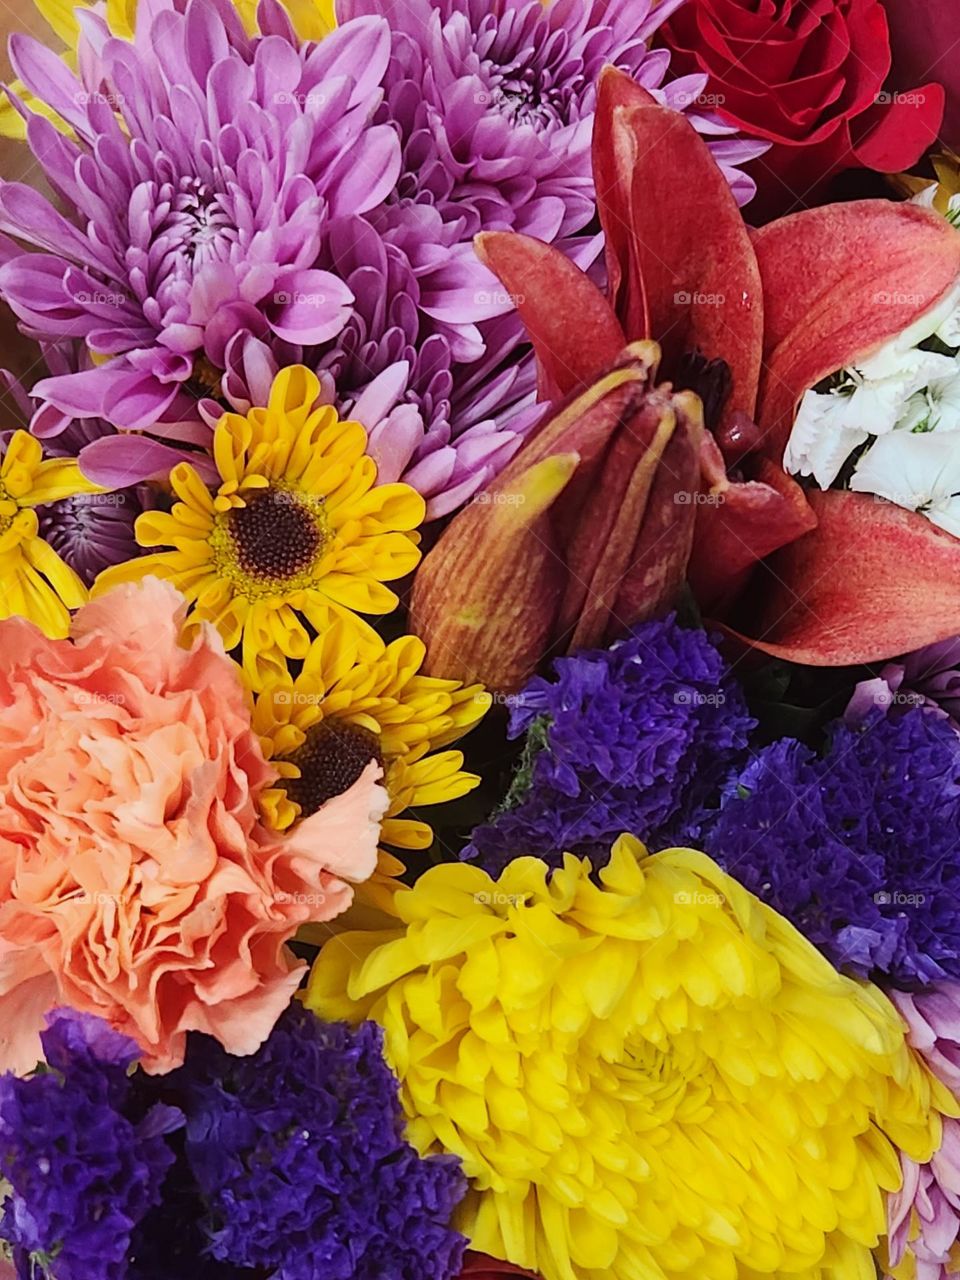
[299, 1157]
[229, 203]
[289, 1163]
[859, 846]
[640, 737]
[84, 1158]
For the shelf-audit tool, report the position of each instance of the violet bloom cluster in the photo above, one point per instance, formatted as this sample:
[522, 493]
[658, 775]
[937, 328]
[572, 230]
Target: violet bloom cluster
[291, 1162]
[858, 847]
[84, 1159]
[640, 737]
[237, 203]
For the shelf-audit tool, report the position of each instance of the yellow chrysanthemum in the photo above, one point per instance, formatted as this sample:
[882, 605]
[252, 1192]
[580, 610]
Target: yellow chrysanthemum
[647, 1075]
[350, 704]
[34, 582]
[312, 20]
[297, 532]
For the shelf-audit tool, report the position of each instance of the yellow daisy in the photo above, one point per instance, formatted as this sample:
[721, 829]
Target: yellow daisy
[34, 582]
[353, 702]
[297, 533]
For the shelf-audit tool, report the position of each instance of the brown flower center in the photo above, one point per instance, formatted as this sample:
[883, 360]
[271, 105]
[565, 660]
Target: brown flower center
[330, 761]
[275, 535]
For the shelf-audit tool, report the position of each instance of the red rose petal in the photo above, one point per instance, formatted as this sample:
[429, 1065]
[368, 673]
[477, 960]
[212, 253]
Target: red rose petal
[894, 135]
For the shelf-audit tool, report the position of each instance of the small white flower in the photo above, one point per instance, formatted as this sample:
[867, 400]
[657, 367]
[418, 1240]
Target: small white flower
[819, 443]
[936, 408]
[919, 472]
[871, 400]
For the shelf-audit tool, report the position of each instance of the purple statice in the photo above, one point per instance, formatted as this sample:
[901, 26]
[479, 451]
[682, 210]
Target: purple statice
[859, 847]
[299, 1156]
[639, 738]
[493, 103]
[201, 170]
[928, 678]
[84, 1158]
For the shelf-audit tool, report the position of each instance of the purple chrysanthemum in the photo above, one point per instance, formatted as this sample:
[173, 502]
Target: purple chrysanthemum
[859, 848]
[637, 738]
[299, 1155]
[85, 1162]
[493, 103]
[201, 185]
[240, 199]
[924, 1215]
[928, 678]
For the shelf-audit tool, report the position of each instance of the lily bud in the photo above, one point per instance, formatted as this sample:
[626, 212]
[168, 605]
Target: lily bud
[587, 531]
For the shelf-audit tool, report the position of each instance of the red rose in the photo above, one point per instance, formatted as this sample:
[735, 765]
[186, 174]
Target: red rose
[926, 45]
[808, 76]
[477, 1266]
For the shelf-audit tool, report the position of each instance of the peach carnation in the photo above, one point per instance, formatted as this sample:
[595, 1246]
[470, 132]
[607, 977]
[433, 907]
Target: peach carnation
[136, 880]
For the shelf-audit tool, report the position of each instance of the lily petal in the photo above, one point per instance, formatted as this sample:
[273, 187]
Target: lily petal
[879, 267]
[870, 581]
[574, 331]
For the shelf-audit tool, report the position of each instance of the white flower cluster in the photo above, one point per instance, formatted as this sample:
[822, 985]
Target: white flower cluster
[903, 403]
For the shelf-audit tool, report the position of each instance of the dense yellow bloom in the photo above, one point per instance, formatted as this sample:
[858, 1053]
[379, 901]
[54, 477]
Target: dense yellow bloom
[34, 582]
[347, 707]
[312, 20]
[646, 1075]
[297, 533]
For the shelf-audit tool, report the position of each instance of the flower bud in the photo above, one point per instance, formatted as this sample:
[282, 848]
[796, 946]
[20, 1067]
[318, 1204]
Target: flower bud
[587, 531]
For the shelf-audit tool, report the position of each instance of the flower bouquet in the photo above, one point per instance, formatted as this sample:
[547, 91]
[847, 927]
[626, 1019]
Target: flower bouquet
[480, 641]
